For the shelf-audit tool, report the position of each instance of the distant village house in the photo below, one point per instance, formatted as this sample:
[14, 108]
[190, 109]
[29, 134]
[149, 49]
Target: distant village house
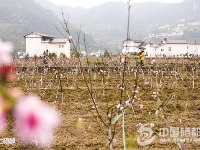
[129, 46]
[178, 48]
[37, 43]
[167, 48]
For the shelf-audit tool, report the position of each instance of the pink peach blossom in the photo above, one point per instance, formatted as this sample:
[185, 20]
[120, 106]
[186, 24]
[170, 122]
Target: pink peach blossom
[156, 112]
[2, 122]
[114, 140]
[152, 125]
[155, 93]
[136, 91]
[153, 61]
[127, 102]
[2, 114]
[35, 121]
[118, 105]
[140, 124]
[6, 49]
[7, 71]
[121, 108]
[141, 106]
[124, 51]
[122, 60]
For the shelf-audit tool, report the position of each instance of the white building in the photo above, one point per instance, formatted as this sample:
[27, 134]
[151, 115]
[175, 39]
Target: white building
[178, 48]
[173, 48]
[128, 46]
[37, 43]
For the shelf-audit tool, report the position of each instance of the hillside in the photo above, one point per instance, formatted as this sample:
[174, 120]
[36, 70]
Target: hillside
[107, 23]
[20, 17]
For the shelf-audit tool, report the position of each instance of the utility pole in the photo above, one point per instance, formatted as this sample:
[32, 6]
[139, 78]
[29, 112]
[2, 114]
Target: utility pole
[129, 8]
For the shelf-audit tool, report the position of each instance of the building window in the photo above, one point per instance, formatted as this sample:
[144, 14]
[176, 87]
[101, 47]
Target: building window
[162, 50]
[170, 48]
[61, 46]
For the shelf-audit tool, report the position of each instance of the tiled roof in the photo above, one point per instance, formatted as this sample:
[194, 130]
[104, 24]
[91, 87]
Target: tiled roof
[176, 42]
[142, 44]
[40, 34]
[194, 42]
[59, 41]
[183, 42]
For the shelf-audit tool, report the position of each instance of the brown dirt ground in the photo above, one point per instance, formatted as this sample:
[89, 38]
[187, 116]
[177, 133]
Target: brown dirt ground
[181, 101]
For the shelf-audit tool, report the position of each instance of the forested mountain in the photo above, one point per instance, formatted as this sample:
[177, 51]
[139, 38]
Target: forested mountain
[19, 17]
[107, 23]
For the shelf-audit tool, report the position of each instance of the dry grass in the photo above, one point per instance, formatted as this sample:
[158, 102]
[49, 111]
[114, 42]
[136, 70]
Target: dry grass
[180, 100]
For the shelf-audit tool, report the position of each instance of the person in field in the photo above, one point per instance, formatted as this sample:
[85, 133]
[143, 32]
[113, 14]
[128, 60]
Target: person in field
[141, 54]
[45, 57]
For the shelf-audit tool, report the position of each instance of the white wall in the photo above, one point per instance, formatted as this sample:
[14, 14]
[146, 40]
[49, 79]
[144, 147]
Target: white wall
[177, 50]
[54, 48]
[194, 49]
[149, 51]
[34, 46]
[129, 46]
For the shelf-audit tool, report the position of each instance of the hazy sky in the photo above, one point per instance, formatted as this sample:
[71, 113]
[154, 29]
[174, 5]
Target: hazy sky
[90, 3]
